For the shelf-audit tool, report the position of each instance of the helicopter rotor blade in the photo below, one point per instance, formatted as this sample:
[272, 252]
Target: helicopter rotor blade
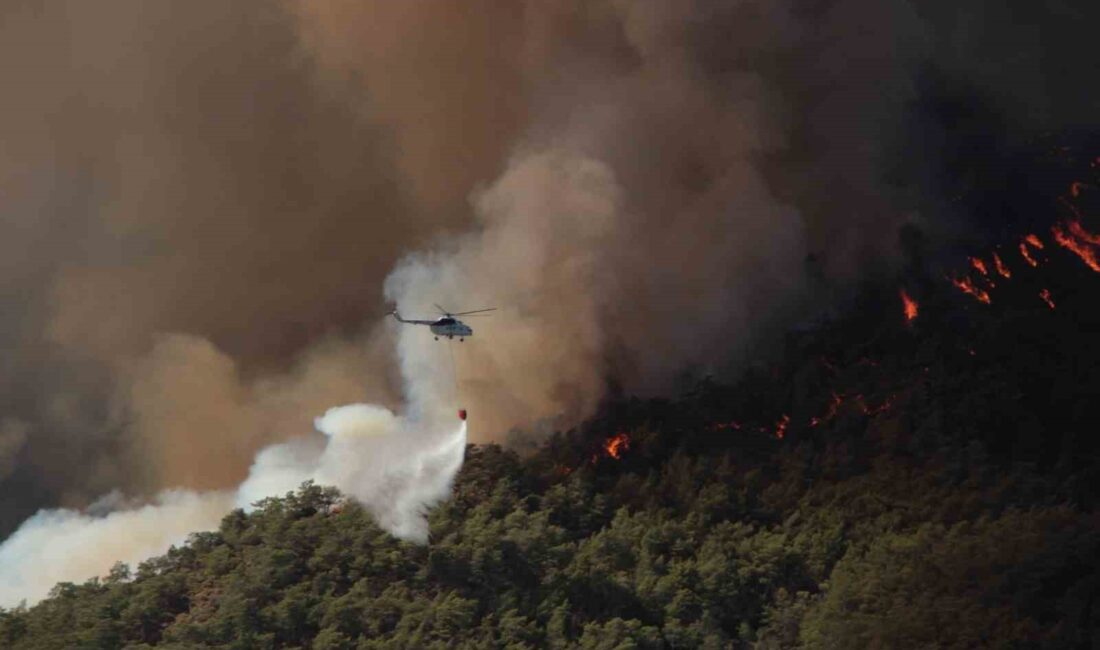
[476, 311]
[442, 310]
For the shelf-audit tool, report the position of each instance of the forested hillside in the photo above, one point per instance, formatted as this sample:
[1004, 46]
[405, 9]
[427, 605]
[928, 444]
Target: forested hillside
[919, 472]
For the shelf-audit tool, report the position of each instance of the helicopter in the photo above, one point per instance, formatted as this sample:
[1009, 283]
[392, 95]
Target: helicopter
[446, 325]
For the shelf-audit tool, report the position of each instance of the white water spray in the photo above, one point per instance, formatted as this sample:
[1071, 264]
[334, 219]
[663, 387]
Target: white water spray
[397, 466]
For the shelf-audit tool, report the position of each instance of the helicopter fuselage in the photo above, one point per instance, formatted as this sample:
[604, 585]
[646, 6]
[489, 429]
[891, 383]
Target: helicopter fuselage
[447, 326]
[451, 327]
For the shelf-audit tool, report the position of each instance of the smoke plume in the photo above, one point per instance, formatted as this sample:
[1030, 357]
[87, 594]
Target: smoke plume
[397, 466]
[206, 204]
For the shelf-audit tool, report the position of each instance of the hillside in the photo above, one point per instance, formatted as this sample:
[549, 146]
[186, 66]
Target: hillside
[888, 479]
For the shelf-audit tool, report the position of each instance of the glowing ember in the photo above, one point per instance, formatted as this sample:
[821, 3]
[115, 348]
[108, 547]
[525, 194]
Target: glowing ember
[1078, 246]
[1045, 295]
[1000, 266]
[616, 445]
[1078, 231]
[967, 287]
[979, 265]
[1076, 187]
[781, 426]
[1027, 255]
[1034, 240]
[720, 426]
[833, 406]
[885, 406]
[909, 305]
[875, 410]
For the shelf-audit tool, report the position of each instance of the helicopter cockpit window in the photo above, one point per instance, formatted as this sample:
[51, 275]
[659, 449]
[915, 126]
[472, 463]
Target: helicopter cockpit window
[445, 321]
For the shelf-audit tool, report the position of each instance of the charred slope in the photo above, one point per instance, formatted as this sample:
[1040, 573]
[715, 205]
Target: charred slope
[921, 472]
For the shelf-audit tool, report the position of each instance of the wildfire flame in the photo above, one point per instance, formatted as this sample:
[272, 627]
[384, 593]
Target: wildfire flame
[1079, 245]
[1045, 295]
[616, 445]
[833, 407]
[979, 265]
[1079, 232]
[1000, 266]
[1034, 240]
[1027, 254]
[909, 305]
[781, 426]
[968, 287]
[1076, 187]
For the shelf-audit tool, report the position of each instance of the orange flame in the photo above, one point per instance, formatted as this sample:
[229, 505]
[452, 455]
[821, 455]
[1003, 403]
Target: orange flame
[616, 445]
[967, 287]
[1000, 266]
[781, 426]
[1027, 255]
[1080, 247]
[1077, 230]
[909, 305]
[1045, 295]
[1076, 187]
[979, 266]
[1034, 241]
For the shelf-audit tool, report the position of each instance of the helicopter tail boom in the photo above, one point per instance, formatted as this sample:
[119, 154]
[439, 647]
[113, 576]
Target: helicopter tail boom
[411, 321]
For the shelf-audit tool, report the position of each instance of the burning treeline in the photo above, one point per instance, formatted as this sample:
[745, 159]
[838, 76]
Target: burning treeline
[1068, 232]
[1018, 275]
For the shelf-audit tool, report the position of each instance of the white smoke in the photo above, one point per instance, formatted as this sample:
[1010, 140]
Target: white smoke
[65, 545]
[397, 466]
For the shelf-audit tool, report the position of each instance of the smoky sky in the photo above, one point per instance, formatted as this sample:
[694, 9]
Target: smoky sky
[202, 201]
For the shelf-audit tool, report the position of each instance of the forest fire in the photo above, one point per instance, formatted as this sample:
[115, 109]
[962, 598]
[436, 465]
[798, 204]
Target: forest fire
[1045, 295]
[1030, 240]
[968, 287]
[616, 445]
[833, 407]
[1000, 266]
[909, 305]
[1078, 231]
[979, 265]
[781, 426]
[1079, 242]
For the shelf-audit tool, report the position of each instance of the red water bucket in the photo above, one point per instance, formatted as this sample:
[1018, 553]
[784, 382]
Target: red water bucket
[462, 414]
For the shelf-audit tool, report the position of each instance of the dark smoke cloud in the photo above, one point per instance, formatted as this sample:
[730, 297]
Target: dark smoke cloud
[201, 200]
[185, 212]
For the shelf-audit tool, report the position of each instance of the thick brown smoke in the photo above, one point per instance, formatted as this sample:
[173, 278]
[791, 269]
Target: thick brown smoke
[202, 201]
